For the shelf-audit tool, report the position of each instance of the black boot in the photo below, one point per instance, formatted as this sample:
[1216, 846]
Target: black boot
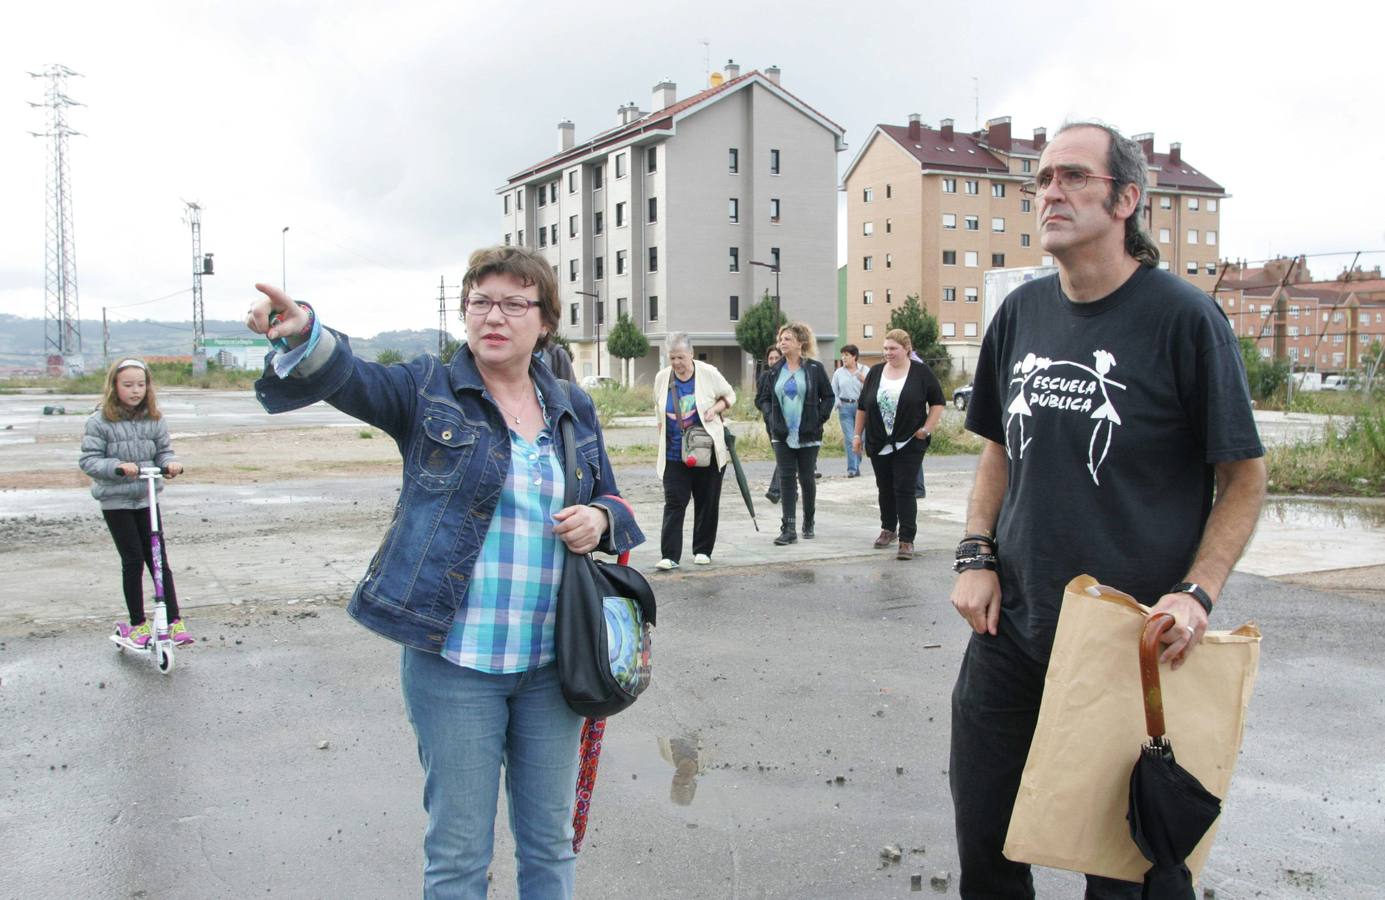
[808, 530]
[788, 534]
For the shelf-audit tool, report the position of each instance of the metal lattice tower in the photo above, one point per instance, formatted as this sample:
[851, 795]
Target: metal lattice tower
[193, 217]
[61, 320]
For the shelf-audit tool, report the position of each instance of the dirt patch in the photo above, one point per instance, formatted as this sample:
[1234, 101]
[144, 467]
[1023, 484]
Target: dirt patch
[1362, 582]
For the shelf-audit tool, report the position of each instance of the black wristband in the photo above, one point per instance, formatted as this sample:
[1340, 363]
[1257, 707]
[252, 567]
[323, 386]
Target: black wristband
[979, 536]
[1196, 592]
[981, 561]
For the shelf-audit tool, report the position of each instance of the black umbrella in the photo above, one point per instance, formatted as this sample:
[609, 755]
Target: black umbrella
[740, 477]
[1170, 810]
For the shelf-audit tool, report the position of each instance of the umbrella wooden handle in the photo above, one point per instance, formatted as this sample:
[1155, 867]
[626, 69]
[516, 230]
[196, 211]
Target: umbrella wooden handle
[1149, 671]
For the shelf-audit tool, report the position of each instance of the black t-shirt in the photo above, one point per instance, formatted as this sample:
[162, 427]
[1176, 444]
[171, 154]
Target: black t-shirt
[1112, 414]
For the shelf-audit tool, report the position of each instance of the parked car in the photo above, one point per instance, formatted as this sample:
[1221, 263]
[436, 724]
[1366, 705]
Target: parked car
[592, 382]
[961, 397]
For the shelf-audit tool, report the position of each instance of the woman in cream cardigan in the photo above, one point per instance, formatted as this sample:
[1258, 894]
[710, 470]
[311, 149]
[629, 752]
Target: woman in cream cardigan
[687, 393]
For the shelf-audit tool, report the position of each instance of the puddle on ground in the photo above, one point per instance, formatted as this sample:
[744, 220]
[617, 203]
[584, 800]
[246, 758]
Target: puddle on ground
[1322, 512]
[675, 761]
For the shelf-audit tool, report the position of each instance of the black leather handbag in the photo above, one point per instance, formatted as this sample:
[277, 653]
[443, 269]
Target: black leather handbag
[605, 623]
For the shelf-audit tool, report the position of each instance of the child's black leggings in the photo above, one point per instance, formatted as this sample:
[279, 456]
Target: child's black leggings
[130, 529]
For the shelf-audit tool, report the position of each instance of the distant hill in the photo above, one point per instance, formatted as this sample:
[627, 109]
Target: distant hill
[21, 340]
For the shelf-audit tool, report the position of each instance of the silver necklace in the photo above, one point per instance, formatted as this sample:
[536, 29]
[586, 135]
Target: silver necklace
[505, 409]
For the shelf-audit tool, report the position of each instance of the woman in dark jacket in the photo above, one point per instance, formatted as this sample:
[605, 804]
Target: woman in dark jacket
[901, 403]
[796, 399]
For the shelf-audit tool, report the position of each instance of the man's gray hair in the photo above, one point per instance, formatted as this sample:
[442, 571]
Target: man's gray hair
[678, 340]
[1126, 161]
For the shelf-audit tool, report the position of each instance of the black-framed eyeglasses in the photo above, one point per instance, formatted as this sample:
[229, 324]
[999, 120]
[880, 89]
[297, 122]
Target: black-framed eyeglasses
[480, 305]
[1069, 181]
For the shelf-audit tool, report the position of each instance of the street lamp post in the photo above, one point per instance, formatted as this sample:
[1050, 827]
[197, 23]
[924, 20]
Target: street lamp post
[284, 258]
[773, 267]
[597, 315]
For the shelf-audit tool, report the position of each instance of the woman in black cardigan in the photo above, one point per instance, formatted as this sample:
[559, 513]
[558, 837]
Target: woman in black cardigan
[901, 403]
[795, 397]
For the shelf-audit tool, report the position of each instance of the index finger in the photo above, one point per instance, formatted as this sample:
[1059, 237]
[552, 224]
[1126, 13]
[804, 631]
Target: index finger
[278, 300]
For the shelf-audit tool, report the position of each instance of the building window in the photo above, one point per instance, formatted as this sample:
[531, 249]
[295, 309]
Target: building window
[1192, 235]
[653, 209]
[1164, 264]
[572, 270]
[889, 225]
[543, 197]
[1192, 203]
[735, 306]
[868, 297]
[598, 222]
[1046, 260]
[507, 239]
[1211, 206]
[1192, 267]
[774, 256]
[949, 329]
[774, 210]
[1163, 235]
[997, 223]
[997, 260]
[949, 295]
[889, 295]
[889, 260]
[598, 267]
[621, 304]
[553, 192]
[1293, 331]
[997, 189]
[572, 226]
[733, 210]
[597, 173]
[553, 234]
[735, 259]
[1210, 239]
[867, 195]
[1211, 268]
[521, 237]
[519, 200]
[1026, 165]
[969, 329]
[973, 186]
[1025, 206]
[868, 264]
[620, 165]
[653, 259]
[868, 228]
[506, 198]
[773, 162]
[949, 257]
[733, 161]
[653, 309]
[973, 223]
[573, 311]
[1166, 202]
[543, 237]
[969, 259]
[651, 157]
[867, 331]
[950, 221]
[1024, 240]
[620, 261]
[949, 185]
[969, 294]
[572, 182]
[620, 214]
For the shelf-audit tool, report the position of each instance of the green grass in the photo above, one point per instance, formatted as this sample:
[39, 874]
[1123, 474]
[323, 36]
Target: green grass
[163, 375]
[1349, 464]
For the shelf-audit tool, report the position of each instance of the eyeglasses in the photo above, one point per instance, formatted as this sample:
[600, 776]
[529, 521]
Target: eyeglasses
[480, 305]
[1069, 181]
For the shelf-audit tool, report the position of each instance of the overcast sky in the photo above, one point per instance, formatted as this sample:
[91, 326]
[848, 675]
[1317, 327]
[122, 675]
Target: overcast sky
[379, 132]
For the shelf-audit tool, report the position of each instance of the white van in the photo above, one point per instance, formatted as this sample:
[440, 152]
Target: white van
[1308, 381]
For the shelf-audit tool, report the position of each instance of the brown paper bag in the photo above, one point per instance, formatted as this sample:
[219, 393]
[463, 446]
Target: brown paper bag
[1073, 797]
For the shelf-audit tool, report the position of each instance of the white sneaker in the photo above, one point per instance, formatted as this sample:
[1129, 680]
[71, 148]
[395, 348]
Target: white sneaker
[666, 564]
[702, 559]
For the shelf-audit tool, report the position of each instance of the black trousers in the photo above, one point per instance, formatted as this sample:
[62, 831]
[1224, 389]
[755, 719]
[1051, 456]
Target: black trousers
[130, 530]
[703, 486]
[995, 706]
[796, 470]
[896, 475]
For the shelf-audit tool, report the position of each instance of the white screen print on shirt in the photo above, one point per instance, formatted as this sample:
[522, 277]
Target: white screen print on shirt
[1060, 387]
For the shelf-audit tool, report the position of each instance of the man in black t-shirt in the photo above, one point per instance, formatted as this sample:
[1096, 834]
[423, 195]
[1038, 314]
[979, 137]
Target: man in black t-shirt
[1119, 443]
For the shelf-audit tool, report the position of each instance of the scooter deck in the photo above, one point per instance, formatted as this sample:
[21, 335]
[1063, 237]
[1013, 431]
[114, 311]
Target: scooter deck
[127, 644]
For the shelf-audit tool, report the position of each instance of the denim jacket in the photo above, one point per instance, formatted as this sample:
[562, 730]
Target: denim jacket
[456, 451]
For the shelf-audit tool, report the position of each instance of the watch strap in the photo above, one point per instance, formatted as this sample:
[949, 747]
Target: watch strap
[1195, 591]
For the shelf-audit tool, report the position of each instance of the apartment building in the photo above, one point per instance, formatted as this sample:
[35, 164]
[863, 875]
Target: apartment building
[930, 210]
[679, 216]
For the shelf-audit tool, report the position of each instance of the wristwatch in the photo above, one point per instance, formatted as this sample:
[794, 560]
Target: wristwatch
[1196, 592]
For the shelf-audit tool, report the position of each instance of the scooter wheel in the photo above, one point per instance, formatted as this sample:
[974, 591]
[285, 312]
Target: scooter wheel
[165, 660]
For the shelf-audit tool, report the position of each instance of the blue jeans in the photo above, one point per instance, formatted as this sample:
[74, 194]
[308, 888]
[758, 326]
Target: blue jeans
[846, 414]
[468, 723]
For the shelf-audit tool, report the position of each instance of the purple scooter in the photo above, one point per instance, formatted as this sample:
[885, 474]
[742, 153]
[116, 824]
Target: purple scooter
[160, 645]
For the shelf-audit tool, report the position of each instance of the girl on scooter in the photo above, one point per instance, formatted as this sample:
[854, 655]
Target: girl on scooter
[126, 432]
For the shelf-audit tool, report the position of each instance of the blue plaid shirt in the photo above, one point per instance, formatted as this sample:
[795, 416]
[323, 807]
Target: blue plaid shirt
[505, 623]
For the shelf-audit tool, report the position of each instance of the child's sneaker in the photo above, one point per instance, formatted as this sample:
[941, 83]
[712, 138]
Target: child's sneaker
[179, 632]
[136, 634]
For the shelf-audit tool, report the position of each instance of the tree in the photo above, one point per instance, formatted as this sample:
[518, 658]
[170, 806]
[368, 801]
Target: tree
[923, 333]
[626, 342]
[1265, 375]
[389, 357]
[557, 338]
[450, 349]
[758, 329]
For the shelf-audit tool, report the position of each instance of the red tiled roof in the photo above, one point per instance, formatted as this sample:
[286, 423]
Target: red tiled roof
[964, 152]
[1182, 176]
[654, 121]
